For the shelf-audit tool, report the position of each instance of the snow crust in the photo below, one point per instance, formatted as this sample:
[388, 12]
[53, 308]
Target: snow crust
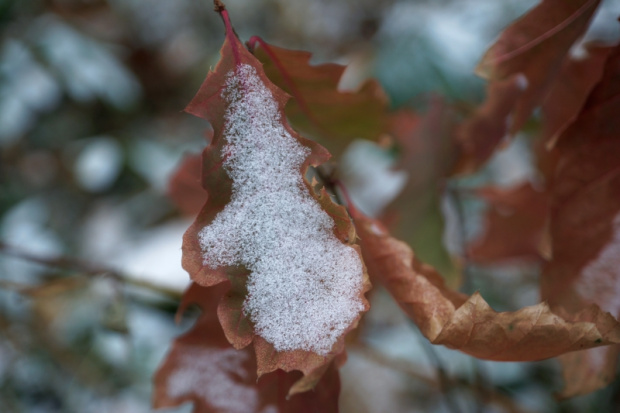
[210, 374]
[304, 284]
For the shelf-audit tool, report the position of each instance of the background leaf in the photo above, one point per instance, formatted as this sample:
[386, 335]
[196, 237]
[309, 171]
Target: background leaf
[319, 109]
[535, 46]
[572, 86]
[585, 205]
[515, 226]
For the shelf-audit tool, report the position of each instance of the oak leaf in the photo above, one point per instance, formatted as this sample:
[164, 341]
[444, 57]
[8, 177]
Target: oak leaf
[297, 278]
[515, 227]
[585, 224]
[318, 108]
[204, 369]
[480, 134]
[572, 86]
[535, 46]
[469, 324]
[427, 154]
[184, 188]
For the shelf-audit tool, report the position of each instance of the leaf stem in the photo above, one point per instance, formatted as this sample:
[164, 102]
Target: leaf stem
[347, 198]
[230, 31]
[400, 365]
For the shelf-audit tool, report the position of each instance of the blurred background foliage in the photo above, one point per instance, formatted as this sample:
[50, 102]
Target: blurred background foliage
[91, 129]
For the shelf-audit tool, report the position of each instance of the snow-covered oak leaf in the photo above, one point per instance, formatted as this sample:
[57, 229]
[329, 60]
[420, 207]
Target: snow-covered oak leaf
[297, 278]
[515, 225]
[318, 108]
[204, 369]
[480, 134]
[535, 45]
[574, 82]
[469, 324]
[585, 223]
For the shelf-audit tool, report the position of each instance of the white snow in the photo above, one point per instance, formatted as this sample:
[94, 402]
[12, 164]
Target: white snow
[304, 284]
[211, 373]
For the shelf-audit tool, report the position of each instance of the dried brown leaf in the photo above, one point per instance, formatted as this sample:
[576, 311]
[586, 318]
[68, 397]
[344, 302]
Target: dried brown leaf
[184, 188]
[469, 324]
[487, 128]
[535, 45]
[515, 225]
[427, 154]
[585, 222]
[318, 108]
[569, 91]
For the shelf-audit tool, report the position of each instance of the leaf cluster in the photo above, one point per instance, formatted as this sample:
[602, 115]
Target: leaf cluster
[565, 221]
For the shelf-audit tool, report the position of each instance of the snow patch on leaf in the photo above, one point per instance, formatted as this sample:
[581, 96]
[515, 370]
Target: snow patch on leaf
[209, 374]
[599, 282]
[304, 284]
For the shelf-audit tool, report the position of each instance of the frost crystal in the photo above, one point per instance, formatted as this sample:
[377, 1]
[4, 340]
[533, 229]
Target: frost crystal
[304, 284]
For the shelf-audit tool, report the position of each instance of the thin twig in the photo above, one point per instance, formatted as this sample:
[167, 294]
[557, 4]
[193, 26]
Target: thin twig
[399, 365]
[444, 380]
[83, 267]
[454, 194]
[56, 262]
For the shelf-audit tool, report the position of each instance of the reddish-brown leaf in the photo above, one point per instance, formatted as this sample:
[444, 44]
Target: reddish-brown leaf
[589, 370]
[468, 324]
[318, 109]
[427, 154]
[570, 89]
[184, 188]
[204, 369]
[535, 46]
[480, 134]
[515, 225]
[235, 98]
[585, 222]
